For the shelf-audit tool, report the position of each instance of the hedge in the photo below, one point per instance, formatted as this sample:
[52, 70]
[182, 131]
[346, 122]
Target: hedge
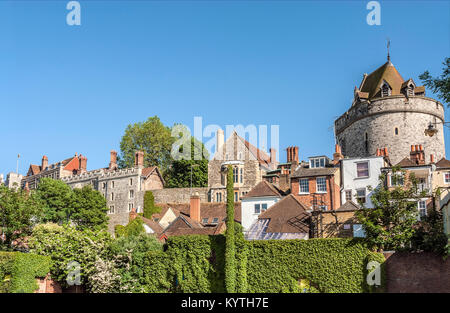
[196, 264]
[18, 271]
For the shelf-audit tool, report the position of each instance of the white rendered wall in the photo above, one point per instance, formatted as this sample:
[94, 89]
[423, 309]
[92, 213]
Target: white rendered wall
[248, 215]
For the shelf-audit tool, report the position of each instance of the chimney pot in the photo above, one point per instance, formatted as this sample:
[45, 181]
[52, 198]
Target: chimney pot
[421, 147]
[431, 158]
[194, 207]
[412, 148]
[386, 151]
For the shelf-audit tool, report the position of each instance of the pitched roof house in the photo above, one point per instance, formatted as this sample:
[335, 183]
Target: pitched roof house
[249, 165]
[287, 219]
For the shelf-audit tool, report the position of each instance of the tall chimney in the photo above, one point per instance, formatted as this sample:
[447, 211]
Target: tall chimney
[83, 163]
[194, 207]
[113, 160]
[139, 158]
[295, 154]
[337, 156]
[288, 154]
[44, 163]
[273, 157]
[132, 215]
[220, 139]
[431, 158]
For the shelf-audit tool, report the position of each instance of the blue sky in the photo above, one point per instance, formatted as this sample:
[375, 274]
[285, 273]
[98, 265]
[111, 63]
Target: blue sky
[67, 89]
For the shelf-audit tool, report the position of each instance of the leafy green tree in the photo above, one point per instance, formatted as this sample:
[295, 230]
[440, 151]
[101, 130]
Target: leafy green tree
[439, 85]
[230, 253]
[151, 136]
[65, 244]
[56, 199]
[149, 205]
[133, 228]
[18, 213]
[131, 254]
[89, 209]
[179, 175]
[390, 225]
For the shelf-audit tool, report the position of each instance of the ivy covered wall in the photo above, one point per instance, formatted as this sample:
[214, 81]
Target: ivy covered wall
[196, 264]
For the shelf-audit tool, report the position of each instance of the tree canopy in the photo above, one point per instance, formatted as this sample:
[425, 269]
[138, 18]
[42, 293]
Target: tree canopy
[439, 85]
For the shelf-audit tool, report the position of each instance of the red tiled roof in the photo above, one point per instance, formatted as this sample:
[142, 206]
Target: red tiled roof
[153, 225]
[443, 163]
[287, 216]
[263, 189]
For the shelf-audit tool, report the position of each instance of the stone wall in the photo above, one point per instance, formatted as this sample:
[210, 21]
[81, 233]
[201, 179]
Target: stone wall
[379, 119]
[179, 195]
[417, 273]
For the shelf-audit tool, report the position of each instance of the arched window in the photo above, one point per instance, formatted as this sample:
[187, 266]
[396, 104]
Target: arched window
[396, 131]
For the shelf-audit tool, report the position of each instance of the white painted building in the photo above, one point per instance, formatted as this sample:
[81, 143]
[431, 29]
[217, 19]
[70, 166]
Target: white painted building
[357, 175]
[257, 201]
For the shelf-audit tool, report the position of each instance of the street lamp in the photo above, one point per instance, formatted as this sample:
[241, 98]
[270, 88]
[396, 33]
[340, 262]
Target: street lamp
[431, 130]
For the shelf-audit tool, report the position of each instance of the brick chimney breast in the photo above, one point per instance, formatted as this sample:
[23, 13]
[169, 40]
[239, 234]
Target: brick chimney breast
[139, 158]
[44, 163]
[194, 207]
[113, 160]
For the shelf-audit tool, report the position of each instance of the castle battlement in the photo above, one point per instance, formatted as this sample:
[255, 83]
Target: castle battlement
[101, 174]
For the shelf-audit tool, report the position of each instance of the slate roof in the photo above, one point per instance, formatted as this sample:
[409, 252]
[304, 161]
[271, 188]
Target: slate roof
[288, 215]
[263, 189]
[443, 163]
[387, 72]
[311, 172]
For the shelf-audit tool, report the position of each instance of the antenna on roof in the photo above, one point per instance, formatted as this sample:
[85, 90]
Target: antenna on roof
[388, 46]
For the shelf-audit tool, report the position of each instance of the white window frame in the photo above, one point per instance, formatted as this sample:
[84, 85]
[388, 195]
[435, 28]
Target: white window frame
[445, 180]
[257, 208]
[317, 184]
[421, 209]
[365, 195]
[351, 195]
[300, 185]
[368, 169]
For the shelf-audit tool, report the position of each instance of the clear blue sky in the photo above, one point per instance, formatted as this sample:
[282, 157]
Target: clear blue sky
[67, 89]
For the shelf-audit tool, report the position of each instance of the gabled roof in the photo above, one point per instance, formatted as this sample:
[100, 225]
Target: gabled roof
[262, 157]
[209, 210]
[312, 172]
[405, 162]
[387, 72]
[443, 163]
[34, 170]
[263, 189]
[288, 215]
[348, 206]
[153, 225]
[149, 170]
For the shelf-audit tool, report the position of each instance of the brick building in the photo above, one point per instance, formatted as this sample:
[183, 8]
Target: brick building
[317, 183]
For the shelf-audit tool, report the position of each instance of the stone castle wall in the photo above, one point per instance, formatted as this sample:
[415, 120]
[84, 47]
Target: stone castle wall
[179, 195]
[380, 117]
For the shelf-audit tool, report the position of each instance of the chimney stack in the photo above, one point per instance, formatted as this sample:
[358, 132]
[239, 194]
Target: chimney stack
[44, 163]
[83, 163]
[337, 156]
[220, 139]
[295, 156]
[194, 207]
[431, 158]
[273, 158]
[417, 154]
[139, 158]
[132, 214]
[113, 160]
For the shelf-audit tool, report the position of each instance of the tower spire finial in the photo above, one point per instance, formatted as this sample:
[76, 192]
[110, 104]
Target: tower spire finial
[388, 45]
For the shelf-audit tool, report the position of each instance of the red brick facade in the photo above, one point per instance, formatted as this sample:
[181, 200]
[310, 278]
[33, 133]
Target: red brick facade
[331, 198]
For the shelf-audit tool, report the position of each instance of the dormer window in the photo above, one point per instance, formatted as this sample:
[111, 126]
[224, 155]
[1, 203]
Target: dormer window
[410, 90]
[317, 162]
[385, 89]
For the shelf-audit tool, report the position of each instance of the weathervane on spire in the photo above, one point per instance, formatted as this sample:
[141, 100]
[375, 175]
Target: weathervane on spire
[388, 45]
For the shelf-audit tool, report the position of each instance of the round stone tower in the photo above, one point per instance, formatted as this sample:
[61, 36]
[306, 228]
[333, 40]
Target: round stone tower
[389, 112]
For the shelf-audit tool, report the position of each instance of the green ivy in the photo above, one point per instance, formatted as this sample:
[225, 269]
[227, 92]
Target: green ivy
[196, 264]
[18, 271]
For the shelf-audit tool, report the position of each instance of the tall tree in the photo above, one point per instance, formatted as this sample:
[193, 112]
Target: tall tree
[149, 205]
[56, 199]
[90, 210]
[151, 136]
[230, 253]
[390, 225]
[179, 174]
[18, 214]
[439, 85]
